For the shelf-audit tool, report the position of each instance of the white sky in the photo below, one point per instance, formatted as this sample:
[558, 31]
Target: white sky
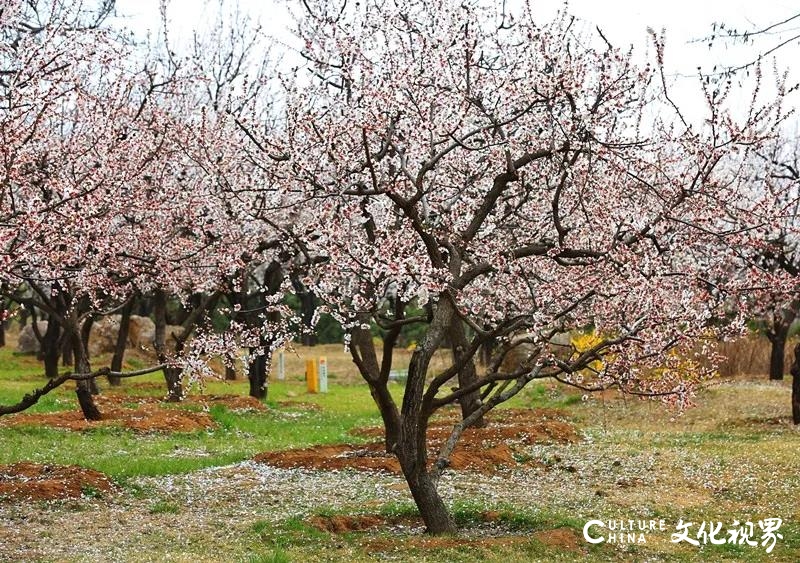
[624, 22]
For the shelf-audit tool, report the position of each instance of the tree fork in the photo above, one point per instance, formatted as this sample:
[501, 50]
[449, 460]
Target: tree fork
[467, 375]
[122, 340]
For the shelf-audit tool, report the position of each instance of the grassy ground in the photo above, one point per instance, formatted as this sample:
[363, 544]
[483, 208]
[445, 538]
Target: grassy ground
[734, 457]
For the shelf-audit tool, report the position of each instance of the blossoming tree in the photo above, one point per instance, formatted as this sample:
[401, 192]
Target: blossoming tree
[521, 179]
[113, 172]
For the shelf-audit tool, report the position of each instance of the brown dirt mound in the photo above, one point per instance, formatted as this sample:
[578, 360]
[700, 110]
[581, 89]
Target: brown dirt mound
[232, 402]
[301, 405]
[368, 457]
[564, 538]
[372, 457]
[343, 524]
[147, 417]
[528, 426]
[149, 414]
[486, 450]
[33, 481]
[148, 385]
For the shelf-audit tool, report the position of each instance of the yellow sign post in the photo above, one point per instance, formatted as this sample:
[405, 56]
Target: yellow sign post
[312, 376]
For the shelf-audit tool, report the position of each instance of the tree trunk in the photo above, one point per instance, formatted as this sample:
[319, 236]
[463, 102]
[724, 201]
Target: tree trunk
[795, 371]
[412, 449]
[777, 338]
[172, 375]
[86, 331]
[230, 373]
[257, 374]
[51, 347]
[66, 352]
[83, 388]
[467, 375]
[122, 341]
[430, 504]
[144, 306]
[308, 306]
[2, 322]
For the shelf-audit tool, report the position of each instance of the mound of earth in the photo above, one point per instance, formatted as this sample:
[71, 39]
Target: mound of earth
[34, 481]
[146, 416]
[142, 414]
[534, 426]
[343, 524]
[300, 405]
[564, 538]
[486, 449]
[232, 402]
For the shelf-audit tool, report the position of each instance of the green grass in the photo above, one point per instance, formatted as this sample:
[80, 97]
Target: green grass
[277, 556]
[165, 507]
[239, 436]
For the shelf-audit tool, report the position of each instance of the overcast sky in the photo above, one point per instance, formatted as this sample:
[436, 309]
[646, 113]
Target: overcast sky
[624, 22]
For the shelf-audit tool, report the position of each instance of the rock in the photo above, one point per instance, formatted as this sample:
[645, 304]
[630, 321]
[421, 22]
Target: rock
[141, 333]
[560, 346]
[27, 343]
[171, 332]
[103, 337]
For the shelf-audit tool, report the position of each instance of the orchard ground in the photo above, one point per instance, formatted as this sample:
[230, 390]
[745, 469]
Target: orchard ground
[181, 482]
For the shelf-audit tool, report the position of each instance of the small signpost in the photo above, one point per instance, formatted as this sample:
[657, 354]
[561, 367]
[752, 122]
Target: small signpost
[317, 375]
[312, 376]
[281, 366]
[323, 374]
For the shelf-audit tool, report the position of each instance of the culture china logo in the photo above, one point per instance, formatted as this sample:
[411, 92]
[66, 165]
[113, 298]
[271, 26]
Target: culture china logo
[763, 534]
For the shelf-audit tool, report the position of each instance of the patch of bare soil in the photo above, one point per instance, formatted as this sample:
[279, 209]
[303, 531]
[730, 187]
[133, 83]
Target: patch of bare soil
[146, 385]
[144, 418]
[301, 405]
[487, 450]
[34, 481]
[232, 402]
[563, 538]
[147, 416]
[368, 457]
[142, 414]
[343, 524]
